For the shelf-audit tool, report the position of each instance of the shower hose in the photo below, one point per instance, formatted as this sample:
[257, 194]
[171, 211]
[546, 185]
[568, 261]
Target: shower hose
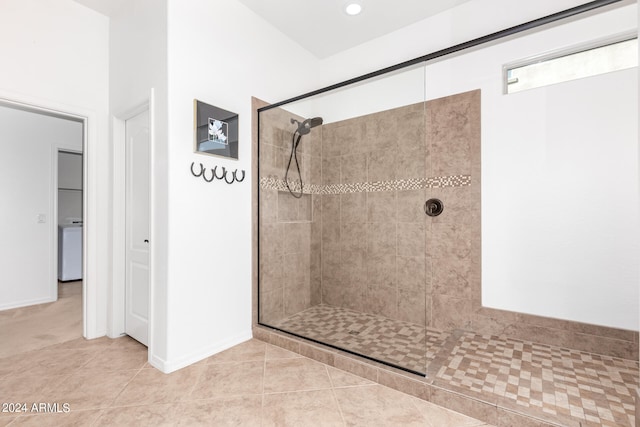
[294, 155]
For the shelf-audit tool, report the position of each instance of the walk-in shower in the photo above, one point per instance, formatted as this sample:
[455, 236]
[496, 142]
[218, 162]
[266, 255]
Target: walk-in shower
[405, 234]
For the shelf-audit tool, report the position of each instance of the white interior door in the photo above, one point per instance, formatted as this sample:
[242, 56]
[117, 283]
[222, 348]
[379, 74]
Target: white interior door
[137, 227]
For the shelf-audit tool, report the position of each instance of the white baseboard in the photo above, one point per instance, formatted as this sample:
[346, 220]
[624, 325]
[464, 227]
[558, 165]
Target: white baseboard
[26, 303]
[98, 334]
[168, 366]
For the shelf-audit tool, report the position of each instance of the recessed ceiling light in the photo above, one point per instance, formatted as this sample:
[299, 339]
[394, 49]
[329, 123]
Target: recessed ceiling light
[353, 9]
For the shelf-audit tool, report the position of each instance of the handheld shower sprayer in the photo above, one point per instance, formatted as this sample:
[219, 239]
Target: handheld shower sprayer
[304, 128]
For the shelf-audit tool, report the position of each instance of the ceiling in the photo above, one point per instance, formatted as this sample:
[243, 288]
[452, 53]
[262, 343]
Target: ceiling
[106, 7]
[324, 29]
[321, 26]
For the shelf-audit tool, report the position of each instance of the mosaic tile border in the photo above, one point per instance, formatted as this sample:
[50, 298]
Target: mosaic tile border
[451, 181]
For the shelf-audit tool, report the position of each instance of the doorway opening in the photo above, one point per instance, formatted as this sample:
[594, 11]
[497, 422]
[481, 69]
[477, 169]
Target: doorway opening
[43, 240]
[69, 215]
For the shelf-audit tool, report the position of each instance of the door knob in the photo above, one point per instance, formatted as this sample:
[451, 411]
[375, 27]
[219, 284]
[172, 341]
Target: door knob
[146, 240]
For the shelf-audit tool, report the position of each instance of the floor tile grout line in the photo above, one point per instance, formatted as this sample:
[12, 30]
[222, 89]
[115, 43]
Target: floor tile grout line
[96, 354]
[341, 387]
[178, 402]
[100, 414]
[49, 415]
[326, 368]
[111, 405]
[303, 390]
[203, 368]
[414, 401]
[232, 362]
[140, 405]
[43, 415]
[335, 398]
[264, 380]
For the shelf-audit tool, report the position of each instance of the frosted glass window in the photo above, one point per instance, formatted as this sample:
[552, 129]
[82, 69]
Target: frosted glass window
[563, 67]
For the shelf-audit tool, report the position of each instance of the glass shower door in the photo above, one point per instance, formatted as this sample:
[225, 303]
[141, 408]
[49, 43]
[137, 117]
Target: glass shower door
[343, 257]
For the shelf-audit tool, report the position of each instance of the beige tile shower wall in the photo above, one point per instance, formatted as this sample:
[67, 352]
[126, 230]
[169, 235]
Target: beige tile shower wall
[453, 238]
[289, 268]
[381, 253]
[373, 243]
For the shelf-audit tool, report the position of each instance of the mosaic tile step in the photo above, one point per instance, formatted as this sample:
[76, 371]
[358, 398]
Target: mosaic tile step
[562, 383]
[562, 386]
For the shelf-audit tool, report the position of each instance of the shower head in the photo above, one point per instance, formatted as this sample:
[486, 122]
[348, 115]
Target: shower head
[306, 126]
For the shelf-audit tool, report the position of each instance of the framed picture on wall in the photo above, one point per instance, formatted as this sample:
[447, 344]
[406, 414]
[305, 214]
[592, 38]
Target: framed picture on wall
[215, 130]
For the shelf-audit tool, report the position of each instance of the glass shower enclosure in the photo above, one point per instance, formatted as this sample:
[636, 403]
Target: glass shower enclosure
[367, 245]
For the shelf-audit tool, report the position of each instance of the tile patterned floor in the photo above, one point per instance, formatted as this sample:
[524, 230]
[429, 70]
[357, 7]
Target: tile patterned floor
[403, 344]
[109, 383]
[543, 381]
[561, 382]
[21, 328]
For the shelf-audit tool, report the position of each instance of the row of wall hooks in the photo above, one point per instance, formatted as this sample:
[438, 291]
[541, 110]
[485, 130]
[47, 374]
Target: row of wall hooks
[214, 174]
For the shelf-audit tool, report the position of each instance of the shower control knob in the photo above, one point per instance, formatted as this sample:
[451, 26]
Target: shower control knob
[433, 207]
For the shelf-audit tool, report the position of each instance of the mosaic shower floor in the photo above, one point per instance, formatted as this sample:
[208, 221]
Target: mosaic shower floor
[547, 382]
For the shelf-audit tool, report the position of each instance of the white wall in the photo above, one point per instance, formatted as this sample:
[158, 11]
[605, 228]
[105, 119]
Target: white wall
[563, 146]
[388, 91]
[29, 144]
[55, 55]
[559, 181]
[220, 53]
[138, 65]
